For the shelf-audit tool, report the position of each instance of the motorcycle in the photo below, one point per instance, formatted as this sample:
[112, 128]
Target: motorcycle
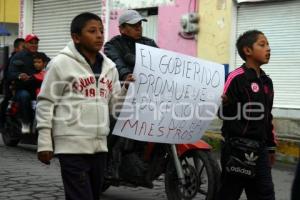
[190, 171]
[12, 132]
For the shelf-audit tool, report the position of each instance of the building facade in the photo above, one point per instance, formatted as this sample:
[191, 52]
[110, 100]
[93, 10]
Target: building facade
[279, 20]
[50, 20]
[9, 19]
[164, 22]
[222, 21]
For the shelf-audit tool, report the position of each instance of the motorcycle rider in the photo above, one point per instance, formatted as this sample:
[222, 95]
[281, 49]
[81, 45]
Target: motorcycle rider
[20, 71]
[121, 50]
[18, 46]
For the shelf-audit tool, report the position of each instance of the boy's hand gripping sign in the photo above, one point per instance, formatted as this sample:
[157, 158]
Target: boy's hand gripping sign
[174, 97]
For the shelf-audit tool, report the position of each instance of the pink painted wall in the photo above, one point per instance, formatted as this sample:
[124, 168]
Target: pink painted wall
[168, 28]
[113, 23]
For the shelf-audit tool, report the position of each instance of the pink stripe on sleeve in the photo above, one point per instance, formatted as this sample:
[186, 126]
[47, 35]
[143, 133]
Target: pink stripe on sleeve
[231, 76]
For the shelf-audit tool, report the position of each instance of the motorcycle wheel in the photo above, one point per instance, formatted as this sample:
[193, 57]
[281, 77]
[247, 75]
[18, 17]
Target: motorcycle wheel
[11, 133]
[201, 174]
[105, 186]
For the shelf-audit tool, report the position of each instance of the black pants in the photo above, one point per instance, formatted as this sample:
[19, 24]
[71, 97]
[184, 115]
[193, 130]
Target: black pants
[259, 188]
[296, 184]
[82, 175]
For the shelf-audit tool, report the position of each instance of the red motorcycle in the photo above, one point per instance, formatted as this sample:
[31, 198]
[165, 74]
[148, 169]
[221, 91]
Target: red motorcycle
[190, 171]
[12, 134]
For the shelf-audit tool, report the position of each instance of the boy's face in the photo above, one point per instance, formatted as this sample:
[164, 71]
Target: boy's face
[260, 51]
[38, 64]
[91, 37]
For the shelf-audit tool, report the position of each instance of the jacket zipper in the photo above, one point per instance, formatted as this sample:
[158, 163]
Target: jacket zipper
[96, 96]
[249, 100]
[266, 107]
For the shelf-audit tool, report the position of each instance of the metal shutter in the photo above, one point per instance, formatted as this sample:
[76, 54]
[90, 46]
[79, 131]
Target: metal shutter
[280, 21]
[52, 19]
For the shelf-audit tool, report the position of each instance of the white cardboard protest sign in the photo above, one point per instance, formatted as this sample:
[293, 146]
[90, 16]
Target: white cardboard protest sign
[173, 99]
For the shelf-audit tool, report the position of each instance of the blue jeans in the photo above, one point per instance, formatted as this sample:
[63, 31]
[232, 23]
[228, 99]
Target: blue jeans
[23, 97]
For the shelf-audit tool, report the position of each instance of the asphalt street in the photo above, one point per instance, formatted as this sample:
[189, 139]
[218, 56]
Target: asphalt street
[23, 177]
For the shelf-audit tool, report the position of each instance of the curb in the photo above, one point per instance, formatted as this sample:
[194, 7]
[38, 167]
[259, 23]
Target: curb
[288, 150]
[213, 139]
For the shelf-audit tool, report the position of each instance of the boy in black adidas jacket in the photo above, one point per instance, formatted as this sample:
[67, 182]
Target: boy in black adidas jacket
[246, 112]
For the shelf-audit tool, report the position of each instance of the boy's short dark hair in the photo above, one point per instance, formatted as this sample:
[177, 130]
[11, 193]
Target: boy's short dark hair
[41, 56]
[80, 20]
[247, 39]
[18, 41]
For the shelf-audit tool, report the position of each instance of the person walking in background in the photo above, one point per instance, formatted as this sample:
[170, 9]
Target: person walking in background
[247, 153]
[18, 46]
[72, 112]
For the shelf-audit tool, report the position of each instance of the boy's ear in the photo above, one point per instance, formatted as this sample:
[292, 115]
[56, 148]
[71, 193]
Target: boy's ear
[76, 38]
[247, 51]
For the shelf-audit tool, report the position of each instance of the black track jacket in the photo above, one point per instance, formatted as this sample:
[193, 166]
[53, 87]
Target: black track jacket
[248, 111]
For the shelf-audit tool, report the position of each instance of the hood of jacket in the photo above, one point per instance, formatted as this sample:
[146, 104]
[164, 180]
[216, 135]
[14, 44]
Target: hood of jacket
[71, 51]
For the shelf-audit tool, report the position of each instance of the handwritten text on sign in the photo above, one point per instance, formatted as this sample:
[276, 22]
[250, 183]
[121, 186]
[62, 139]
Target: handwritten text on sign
[173, 99]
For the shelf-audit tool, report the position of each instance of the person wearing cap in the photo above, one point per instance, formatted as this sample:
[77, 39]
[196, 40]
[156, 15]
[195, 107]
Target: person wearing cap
[121, 50]
[20, 71]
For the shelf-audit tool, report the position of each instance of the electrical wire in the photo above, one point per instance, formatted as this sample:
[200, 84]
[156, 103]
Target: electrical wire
[195, 6]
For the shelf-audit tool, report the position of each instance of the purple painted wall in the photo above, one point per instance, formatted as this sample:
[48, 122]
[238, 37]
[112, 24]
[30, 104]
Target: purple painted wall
[168, 28]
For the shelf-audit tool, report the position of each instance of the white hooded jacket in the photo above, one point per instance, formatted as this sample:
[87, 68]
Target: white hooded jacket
[73, 107]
